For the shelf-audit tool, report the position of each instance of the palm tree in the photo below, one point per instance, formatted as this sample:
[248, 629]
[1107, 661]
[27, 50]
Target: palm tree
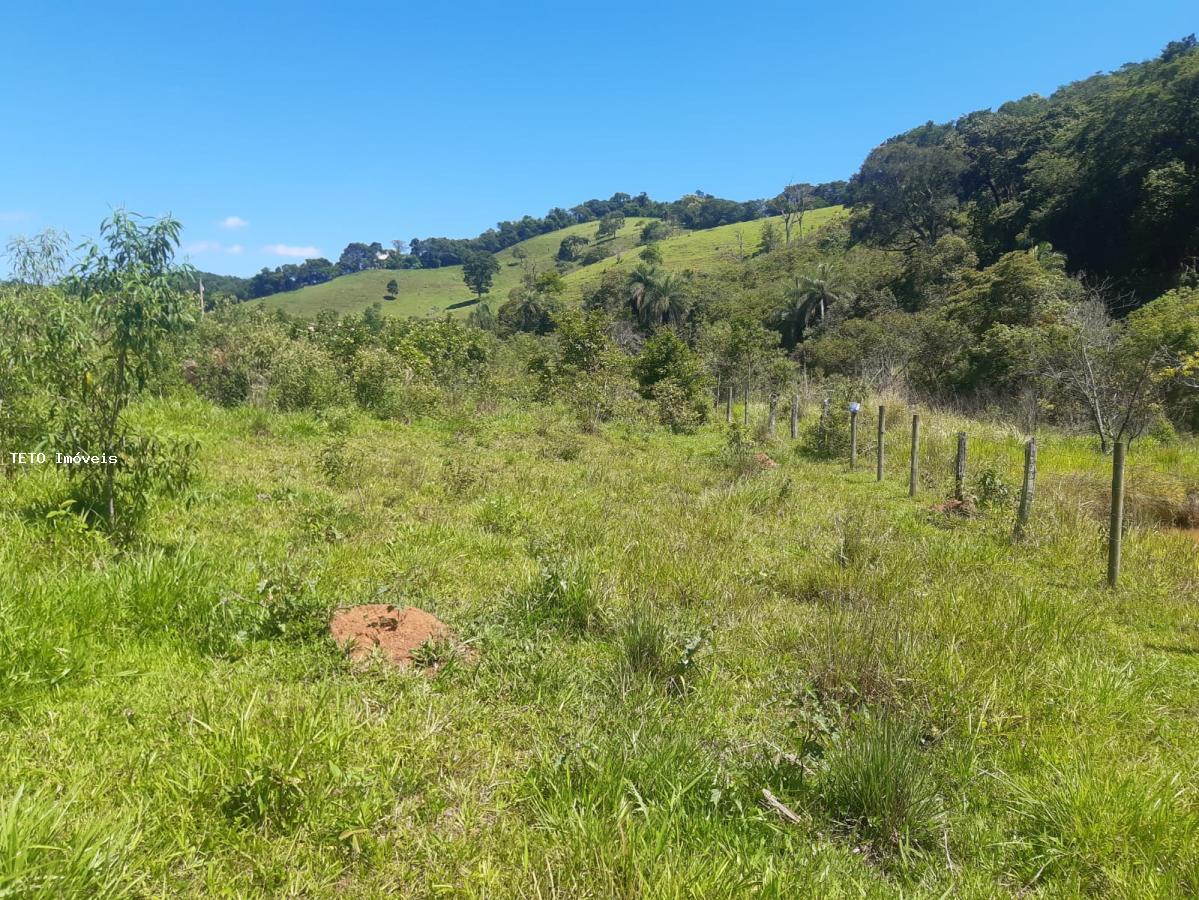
[792, 316]
[657, 297]
[810, 297]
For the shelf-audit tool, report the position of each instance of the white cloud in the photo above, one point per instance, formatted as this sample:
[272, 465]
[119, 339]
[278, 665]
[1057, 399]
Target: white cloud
[234, 222]
[234, 248]
[13, 216]
[289, 250]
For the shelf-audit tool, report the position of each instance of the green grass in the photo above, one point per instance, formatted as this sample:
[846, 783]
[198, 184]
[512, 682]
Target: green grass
[704, 250]
[434, 292]
[437, 291]
[658, 639]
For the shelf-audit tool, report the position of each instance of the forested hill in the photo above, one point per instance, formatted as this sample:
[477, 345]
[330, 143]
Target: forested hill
[1106, 170]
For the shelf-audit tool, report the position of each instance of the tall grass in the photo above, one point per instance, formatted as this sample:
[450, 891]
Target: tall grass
[943, 712]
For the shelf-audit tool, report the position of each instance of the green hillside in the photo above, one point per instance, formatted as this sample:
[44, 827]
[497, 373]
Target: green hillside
[437, 291]
[702, 251]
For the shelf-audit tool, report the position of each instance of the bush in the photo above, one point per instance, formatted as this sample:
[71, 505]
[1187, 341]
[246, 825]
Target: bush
[992, 489]
[303, 376]
[828, 436]
[679, 409]
[372, 373]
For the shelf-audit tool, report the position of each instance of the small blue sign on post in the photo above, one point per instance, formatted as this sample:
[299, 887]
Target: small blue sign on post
[855, 407]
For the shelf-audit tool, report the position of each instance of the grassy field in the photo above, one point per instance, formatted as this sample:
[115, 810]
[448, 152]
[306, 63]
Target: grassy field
[704, 250]
[437, 291]
[663, 630]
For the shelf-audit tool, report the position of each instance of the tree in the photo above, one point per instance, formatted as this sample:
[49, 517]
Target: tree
[39, 260]
[1111, 377]
[906, 194]
[568, 249]
[392, 289]
[358, 257]
[585, 369]
[791, 205]
[478, 271]
[130, 285]
[658, 297]
[652, 254]
[654, 230]
[748, 349]
[1169, 328]
[482, 317]
[531, 306]
[809, 298]
[670, 372]
[526, 262]
[609, 225]
[768, 241]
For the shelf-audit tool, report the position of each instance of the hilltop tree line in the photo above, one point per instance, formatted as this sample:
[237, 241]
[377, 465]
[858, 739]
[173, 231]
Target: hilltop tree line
[693, 211]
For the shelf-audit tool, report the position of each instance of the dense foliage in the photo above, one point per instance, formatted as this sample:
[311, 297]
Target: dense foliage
[1105, 170]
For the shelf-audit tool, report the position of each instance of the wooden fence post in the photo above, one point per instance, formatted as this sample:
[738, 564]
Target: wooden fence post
[1115, 536]
[728, 404]
[745, 409]
[853, 437]
[914, 473]
[794, 416]
[959, 469]
[882, 434]
[717, 393]
[1027, 489]
[773, 414]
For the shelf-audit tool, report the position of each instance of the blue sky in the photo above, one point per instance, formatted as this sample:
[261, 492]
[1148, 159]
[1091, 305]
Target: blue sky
[274, 131]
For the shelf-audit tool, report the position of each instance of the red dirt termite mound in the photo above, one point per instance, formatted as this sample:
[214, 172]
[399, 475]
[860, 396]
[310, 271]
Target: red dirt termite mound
[396, 632]
[765, 461]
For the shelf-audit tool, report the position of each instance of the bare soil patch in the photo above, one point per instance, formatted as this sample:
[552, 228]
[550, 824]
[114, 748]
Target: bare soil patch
[396, 631]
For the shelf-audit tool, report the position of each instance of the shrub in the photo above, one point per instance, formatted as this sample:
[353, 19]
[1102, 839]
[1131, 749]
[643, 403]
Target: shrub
[828, 436]
[679, 409]
[372, 373]
[739, 450]
[337, 461]
[233, 359]
[992, 489]
[303, 376]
